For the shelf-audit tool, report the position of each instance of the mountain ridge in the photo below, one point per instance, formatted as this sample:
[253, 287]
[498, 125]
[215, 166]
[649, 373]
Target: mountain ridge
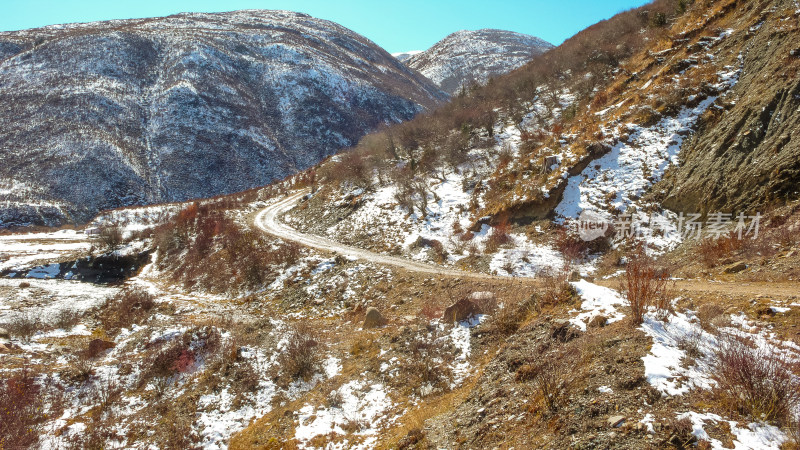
[468, 57]
[109, 114]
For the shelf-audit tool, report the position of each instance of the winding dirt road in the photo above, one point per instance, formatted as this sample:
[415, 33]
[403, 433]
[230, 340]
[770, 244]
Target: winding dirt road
[268, 220]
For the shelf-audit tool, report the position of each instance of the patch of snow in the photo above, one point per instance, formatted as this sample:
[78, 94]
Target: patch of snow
[597, 300]
[663, 365]
[756, 436]
[359, 403]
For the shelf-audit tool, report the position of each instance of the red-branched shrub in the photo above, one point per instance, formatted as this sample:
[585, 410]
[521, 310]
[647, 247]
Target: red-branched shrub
[21, 410]
[644, 285]
[184, 362]
[756, 381]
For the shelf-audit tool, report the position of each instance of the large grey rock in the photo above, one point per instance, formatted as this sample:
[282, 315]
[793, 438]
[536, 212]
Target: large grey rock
[373, 318]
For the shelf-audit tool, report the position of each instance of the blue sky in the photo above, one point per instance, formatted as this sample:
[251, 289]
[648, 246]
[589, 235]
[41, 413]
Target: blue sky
[395, 25]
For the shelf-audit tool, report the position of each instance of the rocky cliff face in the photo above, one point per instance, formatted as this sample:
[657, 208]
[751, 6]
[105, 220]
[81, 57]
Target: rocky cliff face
[115, 113]
[468, 57]
[746, 153]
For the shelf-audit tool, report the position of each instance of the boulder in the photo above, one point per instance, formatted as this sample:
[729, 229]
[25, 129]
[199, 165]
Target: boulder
[562, 330]
[615, 421]
[735, 267]
[97, 346]
[373, 318]
[597, 321]
[484, 301]
[460, 310]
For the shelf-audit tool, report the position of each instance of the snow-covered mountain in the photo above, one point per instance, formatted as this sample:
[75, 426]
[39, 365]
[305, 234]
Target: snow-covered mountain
[115, 113]
[404, 56]
[467, 57]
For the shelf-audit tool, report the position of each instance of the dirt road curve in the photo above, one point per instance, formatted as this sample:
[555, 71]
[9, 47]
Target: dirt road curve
[268, 221]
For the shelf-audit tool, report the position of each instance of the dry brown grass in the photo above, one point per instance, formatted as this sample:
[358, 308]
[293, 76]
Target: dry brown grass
[712, 251]
[551, 377]
[23, 326]
[301, 357]
[130, 306]
[24, 406]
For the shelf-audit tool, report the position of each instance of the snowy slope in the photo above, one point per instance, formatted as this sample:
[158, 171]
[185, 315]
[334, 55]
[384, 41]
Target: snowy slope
[405, 56]
[115, 113]
[468, 57]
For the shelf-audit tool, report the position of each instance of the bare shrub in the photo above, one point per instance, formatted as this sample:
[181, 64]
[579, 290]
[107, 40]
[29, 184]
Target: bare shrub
[794, 433]
[644, 286]
[556, 290]
[431, 311]
[167, 360]
[22, 410]
[756, 381]
[500, 234]
[80, 369]
[680, 432]
[23, 326]
[130, 306]
[435, 245]
[111, 236]
[66, 319]
[574, 248]
[551, 376]
[508, 319]
[712, 251]
[300, 358]
[708, 313]
[428, 367]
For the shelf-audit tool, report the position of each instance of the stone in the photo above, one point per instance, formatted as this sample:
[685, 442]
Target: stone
[485, 301]
[615, 421]
[597, 321]
[97, 346]
[562, 330]
[735, 267]
[373, 318]
[460, 310]
[549, 162]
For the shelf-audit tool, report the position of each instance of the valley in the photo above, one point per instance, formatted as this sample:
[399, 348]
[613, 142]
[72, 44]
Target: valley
[597, 247]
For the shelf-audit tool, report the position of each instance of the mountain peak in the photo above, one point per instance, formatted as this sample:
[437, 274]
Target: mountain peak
[469, 57]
